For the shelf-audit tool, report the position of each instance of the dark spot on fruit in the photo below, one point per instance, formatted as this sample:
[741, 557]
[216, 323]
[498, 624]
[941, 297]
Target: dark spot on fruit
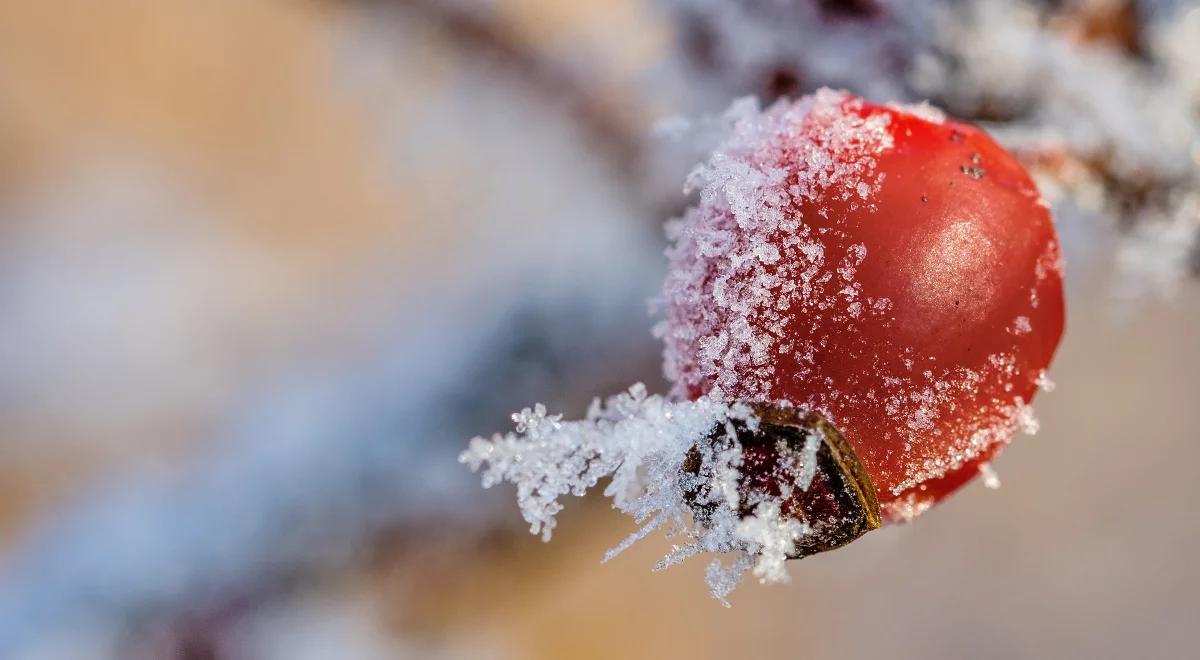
[955, 136]
[925, 198]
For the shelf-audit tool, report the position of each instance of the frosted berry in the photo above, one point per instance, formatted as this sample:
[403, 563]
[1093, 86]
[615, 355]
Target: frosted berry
[890, 269]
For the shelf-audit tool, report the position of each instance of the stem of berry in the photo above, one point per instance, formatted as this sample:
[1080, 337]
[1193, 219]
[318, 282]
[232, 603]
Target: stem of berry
[800, 459]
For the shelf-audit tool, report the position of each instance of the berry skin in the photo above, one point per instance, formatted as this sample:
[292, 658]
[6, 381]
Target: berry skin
[892, 270]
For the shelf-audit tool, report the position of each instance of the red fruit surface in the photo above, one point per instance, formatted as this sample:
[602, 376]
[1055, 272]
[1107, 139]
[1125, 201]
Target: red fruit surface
[893, 270]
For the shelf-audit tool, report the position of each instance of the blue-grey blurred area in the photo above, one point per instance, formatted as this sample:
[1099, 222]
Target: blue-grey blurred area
[265, 268]
[267, 265]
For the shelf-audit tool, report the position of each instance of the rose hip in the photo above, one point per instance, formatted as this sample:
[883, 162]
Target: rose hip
[887, 268]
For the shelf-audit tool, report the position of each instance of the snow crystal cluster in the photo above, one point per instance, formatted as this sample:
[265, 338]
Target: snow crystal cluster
[640, 444]
[726, 250]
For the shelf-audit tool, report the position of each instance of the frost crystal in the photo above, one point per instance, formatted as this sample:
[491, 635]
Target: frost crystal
[1043, 381]
[723, 252]
[991, 480]
[772, 536]
[640, 443]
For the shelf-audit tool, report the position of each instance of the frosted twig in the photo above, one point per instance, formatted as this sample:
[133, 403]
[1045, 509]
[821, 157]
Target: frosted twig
[641, 443]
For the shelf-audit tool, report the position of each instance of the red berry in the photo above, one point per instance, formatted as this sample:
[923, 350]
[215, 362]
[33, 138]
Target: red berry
[894, 271]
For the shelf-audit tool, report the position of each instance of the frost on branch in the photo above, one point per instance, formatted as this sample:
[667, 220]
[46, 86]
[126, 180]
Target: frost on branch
[1099, 98]
[670, 464]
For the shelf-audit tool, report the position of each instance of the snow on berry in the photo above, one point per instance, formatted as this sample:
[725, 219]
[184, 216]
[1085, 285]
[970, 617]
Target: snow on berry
[878, 269]
[894, 271]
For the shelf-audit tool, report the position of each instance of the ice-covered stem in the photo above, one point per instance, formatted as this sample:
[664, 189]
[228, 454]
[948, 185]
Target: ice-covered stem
[638, 441]
[768, 483]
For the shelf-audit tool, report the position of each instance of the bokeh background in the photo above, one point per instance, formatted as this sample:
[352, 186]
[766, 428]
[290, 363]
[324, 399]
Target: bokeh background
[267, 265]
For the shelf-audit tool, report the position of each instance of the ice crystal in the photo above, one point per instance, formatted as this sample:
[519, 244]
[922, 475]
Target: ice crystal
[722, 250]
[991, 480]
[640, 443]
[1043, 381]
[772, 536]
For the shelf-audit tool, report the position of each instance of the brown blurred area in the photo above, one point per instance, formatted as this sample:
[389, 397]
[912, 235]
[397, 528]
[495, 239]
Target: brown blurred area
[232, 106]
[233, 114]
[198, 197]
[225, 104]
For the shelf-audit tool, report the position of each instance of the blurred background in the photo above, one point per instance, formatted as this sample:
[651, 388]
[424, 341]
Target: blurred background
[267, 265]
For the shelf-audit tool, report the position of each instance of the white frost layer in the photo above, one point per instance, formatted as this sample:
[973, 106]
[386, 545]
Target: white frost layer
[733, 283]
[640, 443]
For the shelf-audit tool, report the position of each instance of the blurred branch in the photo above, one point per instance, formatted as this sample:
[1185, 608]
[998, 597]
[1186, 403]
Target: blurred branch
[475, 31]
